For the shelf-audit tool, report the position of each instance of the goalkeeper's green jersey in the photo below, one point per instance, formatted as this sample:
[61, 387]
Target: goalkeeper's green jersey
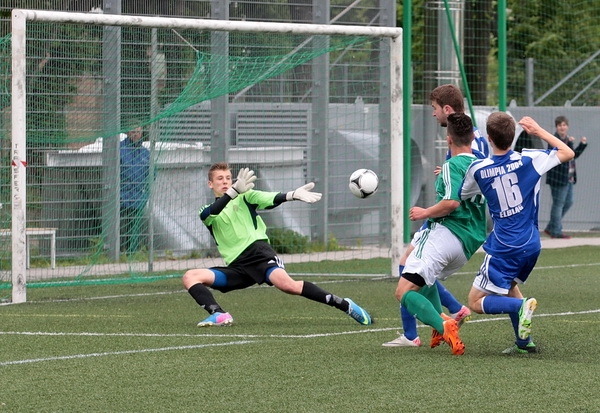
[238, 225]
[467, 222]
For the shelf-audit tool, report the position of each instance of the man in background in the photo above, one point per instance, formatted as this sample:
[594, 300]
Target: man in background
[561, 179]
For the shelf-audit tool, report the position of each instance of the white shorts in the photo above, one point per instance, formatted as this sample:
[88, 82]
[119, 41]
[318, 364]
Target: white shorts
[417, 236]
[437, 255]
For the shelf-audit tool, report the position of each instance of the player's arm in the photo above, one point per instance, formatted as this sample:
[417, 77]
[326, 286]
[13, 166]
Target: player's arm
[303, 193]
[441, 209]
[564, 153]
[215, 208]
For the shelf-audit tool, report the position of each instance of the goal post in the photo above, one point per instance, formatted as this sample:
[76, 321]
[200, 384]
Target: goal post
[390, 94]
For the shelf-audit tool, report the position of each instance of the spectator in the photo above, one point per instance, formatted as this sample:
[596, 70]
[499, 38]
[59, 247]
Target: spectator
[561, 179]
[135, 179]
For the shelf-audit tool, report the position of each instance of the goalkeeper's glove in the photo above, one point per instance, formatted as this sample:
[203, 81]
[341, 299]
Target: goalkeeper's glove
[245, 182]
[304, 194]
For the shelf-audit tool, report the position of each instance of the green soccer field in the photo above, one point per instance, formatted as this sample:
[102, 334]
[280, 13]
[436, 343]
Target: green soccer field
[135, 348]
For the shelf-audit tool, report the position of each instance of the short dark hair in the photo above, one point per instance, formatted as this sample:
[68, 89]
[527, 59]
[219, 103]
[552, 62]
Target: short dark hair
[448, 95]
[500, 129]
[219, 166]
[560, 119]
[460, 129]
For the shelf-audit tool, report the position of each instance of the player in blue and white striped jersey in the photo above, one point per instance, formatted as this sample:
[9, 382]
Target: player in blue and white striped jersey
[510, 182]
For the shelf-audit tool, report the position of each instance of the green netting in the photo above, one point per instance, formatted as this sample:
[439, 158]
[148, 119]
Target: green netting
[86, 90]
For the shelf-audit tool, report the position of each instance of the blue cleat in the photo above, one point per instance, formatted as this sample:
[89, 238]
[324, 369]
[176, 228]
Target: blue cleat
[358, 313]
[216, 319]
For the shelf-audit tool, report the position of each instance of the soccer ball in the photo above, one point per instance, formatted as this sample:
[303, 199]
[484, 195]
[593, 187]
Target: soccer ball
[363, 183]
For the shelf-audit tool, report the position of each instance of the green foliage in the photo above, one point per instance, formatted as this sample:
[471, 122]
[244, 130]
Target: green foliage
[287, 241]
[331, 245]
[558, 37]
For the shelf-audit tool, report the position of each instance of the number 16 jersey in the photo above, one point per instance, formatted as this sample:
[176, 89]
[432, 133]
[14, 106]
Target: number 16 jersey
[511, 186]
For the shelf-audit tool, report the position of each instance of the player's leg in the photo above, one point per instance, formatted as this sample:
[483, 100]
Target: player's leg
[494, 292]
[417, 304]
[424, 310]
[409, 321]
[457, 310]
[196, 283]
[280, 279]
[409, 337]
[521, 346]
[489, 293]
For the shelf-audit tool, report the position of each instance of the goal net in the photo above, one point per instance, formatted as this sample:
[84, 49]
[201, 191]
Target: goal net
[296, 103]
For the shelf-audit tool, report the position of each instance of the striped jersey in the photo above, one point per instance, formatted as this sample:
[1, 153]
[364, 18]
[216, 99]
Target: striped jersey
[511, 186]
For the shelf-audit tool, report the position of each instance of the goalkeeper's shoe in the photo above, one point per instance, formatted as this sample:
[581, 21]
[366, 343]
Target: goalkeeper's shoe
[463, 315]
[529, 348]
[217, 319]
[358, 313]
[402, 341]
[451, 336]
[525, 313]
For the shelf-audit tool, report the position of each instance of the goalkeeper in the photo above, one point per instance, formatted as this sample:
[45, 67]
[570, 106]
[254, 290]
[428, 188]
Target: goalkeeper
[240, 236]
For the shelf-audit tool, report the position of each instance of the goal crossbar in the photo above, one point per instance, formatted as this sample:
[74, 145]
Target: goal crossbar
[205, 24]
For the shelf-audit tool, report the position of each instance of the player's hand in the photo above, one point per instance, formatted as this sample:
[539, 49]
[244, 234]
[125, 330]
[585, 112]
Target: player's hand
[245, 182]
[437, 170]
[304, 194]
[530, 126]
[417, 213]
[584, 140]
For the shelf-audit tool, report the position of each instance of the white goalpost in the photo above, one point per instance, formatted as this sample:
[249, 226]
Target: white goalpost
[19, 132]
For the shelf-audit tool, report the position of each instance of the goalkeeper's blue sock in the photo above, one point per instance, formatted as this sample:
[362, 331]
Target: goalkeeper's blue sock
[447, 299]
[498, 304]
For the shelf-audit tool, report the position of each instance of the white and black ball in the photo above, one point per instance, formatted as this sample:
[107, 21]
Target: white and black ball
[363, 183]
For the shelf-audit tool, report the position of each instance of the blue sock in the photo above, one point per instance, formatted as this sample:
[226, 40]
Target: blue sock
[498, 304]
[514, 319]
[447, 299]
[409, 321]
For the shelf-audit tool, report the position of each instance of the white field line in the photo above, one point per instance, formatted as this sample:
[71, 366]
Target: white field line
[117, 353]
[244, 336]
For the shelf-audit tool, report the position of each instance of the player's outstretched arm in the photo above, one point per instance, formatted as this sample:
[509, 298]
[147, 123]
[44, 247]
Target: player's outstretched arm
[564, 154]
[304, 194]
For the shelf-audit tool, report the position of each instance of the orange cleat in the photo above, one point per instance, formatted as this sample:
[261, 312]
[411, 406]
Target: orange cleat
[451, 336]
[436, 338]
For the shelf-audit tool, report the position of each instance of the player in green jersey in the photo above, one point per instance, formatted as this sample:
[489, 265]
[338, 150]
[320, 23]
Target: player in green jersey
[456, 229]
[241, 238]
